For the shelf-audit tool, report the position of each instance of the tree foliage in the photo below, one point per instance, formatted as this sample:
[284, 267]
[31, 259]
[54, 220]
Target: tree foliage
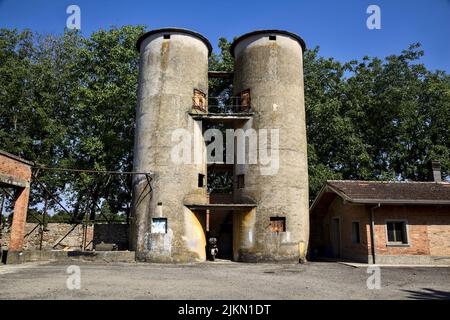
[375, 119]
[69, 101]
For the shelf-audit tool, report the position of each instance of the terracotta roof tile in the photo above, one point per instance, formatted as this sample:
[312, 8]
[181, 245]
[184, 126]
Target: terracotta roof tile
[370, 191]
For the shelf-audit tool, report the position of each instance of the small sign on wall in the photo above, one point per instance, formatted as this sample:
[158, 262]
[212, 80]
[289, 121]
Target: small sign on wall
[159, 225]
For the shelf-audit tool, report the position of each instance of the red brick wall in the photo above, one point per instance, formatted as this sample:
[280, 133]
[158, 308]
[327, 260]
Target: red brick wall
[428, 230]
[348, 213]
[20, 171]
[321, 229]
[14, 168]
[439, 237]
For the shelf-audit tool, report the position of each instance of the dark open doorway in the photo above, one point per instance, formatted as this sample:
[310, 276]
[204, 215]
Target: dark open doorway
[336, 237]
[221, 228]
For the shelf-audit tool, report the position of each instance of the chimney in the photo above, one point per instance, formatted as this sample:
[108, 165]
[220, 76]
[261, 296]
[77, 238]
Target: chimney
[436, 166]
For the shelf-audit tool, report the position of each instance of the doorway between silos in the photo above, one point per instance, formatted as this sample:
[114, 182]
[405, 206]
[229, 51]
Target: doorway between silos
[218, 224]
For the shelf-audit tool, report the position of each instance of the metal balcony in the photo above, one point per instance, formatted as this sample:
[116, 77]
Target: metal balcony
[227, 105]
[222, 109]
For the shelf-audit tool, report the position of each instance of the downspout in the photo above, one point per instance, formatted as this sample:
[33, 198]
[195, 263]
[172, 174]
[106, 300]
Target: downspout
[372, 232]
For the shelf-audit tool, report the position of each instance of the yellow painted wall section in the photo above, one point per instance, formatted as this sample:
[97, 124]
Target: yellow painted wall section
[194, 235]
[248, 229]
[301, 249]
[243, 231]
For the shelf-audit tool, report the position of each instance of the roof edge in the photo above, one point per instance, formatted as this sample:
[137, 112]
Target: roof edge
[273, 31]
[317, 198]
[387, 182]
[14, 157]
[178, 30]
[327, 187]
[392, 201]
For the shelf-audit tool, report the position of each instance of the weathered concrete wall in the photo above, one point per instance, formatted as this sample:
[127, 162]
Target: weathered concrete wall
[273, 71]
[170, 70]
[244, 236]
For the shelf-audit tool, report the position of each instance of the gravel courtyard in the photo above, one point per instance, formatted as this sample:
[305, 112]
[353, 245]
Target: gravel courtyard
[220, 280]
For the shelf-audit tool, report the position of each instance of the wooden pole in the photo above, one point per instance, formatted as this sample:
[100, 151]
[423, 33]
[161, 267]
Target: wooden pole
[44, 215]
[1, 221]
[1, 212]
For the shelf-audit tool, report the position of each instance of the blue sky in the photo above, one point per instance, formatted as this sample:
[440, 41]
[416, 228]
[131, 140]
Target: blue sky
[338, 27]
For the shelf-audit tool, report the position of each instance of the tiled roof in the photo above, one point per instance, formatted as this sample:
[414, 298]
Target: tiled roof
[391, 192]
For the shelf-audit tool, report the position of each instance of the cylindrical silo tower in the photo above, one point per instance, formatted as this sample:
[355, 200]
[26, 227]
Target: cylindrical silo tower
[269, 65]
[168, 142]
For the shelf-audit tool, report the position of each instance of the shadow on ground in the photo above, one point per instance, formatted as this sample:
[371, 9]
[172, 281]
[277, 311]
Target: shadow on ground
[428, 294]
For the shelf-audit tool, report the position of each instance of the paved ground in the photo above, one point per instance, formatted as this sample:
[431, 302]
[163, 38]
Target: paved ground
[221, 280]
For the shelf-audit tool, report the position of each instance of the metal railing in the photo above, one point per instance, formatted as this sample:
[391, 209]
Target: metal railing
[226, 105]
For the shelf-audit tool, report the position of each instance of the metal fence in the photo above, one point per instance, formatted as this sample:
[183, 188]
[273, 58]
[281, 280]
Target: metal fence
[48, 201]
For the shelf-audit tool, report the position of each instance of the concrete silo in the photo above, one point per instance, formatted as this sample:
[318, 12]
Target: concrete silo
[269, 65]
[173, 69]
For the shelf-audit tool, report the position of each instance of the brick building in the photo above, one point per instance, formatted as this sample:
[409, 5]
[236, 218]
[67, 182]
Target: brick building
[382, 222]
[15, 177]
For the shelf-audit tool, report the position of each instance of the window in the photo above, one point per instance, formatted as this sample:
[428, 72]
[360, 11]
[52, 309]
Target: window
[355, 232]
[199, 101]
[244, 98]
[159, 225]
[240, 181]
[167, 36]
[396, 232]
[272, 38]
[201, 180]
[278, 224]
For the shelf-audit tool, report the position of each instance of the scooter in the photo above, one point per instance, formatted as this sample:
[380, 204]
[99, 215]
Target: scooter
[213, 249]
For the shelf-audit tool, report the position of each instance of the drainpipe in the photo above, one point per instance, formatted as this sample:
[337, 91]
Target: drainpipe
[372, 232]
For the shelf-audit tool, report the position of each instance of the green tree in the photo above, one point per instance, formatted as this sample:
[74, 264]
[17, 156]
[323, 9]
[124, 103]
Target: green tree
[222, 61]
[69, 101]
[375, 119]
[103, 132]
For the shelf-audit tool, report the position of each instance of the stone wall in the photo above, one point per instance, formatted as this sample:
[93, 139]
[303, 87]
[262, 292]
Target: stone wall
[54, 232]
[112, 233]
